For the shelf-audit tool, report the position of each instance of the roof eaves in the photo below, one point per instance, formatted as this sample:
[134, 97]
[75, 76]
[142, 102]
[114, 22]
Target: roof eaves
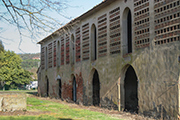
[104, 2]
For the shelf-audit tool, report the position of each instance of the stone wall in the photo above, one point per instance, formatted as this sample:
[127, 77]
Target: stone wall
[12, 101]
[158, 74]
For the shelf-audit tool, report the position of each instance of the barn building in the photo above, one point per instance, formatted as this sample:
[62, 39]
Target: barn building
[121, 54]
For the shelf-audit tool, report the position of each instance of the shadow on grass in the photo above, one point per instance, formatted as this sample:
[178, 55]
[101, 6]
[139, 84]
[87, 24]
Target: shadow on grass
[64, 119]
[32, 93]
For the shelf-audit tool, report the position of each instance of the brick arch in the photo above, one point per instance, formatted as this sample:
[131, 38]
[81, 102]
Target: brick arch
[80, 84]
[67, 88]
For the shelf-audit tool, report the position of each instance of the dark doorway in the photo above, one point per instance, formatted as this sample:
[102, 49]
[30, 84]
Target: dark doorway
[74, 90]
[47, 81]
[129, 30]
[94, 42]
[60, 88]
[131, 90]
[96, 89]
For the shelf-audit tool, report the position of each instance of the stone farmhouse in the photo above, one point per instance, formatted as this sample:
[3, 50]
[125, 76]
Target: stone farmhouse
[121, 54]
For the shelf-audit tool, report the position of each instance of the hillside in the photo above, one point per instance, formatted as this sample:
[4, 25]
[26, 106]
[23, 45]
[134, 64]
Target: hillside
[30, 62]
[29, 56]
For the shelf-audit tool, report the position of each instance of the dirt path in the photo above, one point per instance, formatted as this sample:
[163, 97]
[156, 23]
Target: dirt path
[19, 113]
[113, 113]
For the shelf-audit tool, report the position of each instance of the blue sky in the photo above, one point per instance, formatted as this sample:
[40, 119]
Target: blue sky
[11, 35]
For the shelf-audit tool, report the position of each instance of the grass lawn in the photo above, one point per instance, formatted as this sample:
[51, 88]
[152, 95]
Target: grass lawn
[57, 111]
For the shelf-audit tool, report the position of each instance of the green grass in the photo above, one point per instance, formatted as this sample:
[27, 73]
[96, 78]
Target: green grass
[41, 117]
[33, 92]
[57, 112]
[17, 90]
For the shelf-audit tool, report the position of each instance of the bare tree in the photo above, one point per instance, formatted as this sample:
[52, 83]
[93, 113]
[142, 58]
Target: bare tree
[32, 15]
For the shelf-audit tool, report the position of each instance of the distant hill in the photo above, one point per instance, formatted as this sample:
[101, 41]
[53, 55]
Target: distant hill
[30, 62]
[29, 56]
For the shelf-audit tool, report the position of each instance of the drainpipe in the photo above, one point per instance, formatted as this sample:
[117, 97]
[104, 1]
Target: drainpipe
[119, 102]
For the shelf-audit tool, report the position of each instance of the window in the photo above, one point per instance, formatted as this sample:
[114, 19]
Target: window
[54, 54]
[67, 49]
[78, 45]
[85, 41]
[102, 35]
[62, 50]
[93, 42]
[73, 49]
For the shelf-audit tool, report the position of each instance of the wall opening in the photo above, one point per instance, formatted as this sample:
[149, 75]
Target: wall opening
[131, 90]
[74, 94]
[60, 87]
[96, 89]
[94, 42]
[73, 48]
[58, 55]
[47, 86]
[127, 32]
[46, 59]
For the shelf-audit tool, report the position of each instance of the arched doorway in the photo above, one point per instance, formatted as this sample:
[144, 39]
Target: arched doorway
[60, 87]
[127, 31]
[47, 86]
[131, 90]
[96, 89]
[74, 92]
[93, 42]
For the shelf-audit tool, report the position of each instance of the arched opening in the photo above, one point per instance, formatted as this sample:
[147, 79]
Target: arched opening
[129, 34]
[47, 86]
[60, 87]
[127, 31]
[73, 48]
[58, 55]
[46, 63]
[96, 89]
[74, 94]
[131, 90]
[93, 42]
